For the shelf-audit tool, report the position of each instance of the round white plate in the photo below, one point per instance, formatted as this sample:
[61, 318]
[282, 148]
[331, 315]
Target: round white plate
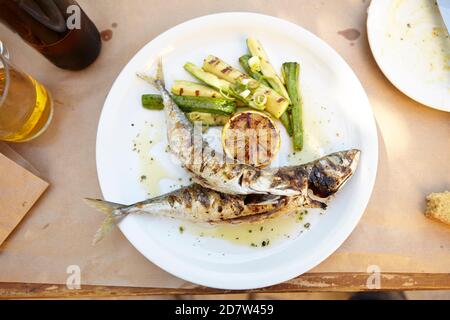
[337, 117]
[411, 46]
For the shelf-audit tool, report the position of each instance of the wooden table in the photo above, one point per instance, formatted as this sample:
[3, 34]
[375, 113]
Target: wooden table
[33, 260]
[310, 282]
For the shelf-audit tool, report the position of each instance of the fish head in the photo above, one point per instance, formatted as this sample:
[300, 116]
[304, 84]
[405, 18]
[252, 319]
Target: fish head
[328, 174]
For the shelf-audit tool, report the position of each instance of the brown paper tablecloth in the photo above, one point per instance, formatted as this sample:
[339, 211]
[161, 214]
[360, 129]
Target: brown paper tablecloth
[393, 234]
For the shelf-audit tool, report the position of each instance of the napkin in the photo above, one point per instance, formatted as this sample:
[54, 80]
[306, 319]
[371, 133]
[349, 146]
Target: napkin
[19, 190]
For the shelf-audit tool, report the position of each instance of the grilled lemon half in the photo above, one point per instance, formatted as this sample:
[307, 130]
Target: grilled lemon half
[251, 137]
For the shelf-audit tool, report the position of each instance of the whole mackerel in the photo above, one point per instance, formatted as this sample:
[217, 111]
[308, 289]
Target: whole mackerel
[216, 171]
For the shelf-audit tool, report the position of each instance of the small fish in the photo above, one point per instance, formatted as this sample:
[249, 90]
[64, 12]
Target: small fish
[319, 179]
[216, 171]
[198, 204]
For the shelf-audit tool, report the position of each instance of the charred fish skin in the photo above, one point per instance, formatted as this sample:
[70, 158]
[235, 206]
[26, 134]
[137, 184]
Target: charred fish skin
[198, 204]
[329, 174]
[324, 176]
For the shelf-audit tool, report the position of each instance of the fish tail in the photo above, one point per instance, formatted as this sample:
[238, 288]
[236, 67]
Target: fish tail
[108, 208]
[160, 72]
[149, 79]
[158, 81]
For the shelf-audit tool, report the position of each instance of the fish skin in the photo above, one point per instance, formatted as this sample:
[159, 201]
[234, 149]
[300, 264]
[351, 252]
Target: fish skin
[324, 176]
[198, 204]
[329, 174]
[216, 171]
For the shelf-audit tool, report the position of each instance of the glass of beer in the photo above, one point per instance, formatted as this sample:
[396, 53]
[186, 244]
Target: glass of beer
[26, 107]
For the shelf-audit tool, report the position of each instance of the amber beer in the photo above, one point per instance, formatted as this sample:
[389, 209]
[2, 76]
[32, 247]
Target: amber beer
[59, 29]
[26, 107]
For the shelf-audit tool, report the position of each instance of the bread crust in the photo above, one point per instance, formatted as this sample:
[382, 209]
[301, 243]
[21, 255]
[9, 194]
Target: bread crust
[438, 207]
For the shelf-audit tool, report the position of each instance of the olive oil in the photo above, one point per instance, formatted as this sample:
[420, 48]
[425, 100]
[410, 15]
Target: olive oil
[154, 177]
[27, 109]
[261, 234]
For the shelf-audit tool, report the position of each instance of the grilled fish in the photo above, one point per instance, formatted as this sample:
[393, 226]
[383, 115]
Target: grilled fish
[216, 171]
[318, 179]
[198, 204]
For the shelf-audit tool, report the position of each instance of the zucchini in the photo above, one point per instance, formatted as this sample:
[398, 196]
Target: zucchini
[208, 78]
[188, 88]
[275, 104]
[286, 121]
[256, 49]
[285, 117]
[291, 73]
[191, 104]
[223, 70]
[208, 119]
[255, 75]
[152, 102]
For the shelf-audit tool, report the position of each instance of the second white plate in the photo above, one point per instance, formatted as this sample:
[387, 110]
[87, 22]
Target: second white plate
[411, 46]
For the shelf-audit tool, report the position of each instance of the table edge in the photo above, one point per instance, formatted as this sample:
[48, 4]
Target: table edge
[310, 282]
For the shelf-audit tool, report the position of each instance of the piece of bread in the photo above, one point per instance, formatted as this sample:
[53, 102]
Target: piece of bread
[438, 207]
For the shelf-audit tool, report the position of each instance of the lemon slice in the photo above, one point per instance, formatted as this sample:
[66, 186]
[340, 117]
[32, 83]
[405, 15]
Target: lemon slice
[251, 137]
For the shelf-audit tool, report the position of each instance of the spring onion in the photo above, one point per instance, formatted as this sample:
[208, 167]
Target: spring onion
[255, 64]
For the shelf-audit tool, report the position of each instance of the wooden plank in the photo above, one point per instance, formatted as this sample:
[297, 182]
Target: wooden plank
[315, 282]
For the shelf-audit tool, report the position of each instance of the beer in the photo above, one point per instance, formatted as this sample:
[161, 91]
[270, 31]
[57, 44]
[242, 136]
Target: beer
[26, 107]
[58, 29]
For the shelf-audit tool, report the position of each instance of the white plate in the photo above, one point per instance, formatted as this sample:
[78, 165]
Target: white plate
[337, 116]
[411, 46]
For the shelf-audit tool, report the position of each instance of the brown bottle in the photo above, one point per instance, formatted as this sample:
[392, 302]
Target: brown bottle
[59, 29]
